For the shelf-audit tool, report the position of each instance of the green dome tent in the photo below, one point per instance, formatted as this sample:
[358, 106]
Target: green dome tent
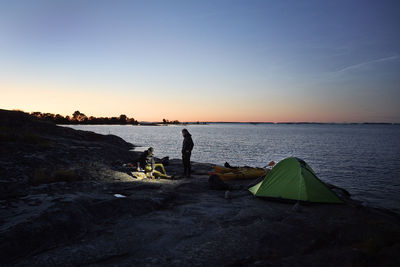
[293, 179]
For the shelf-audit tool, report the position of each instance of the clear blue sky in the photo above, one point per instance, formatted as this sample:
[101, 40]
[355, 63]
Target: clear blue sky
[203, 60]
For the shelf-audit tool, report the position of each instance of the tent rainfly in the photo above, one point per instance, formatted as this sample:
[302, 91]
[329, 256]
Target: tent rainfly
[293, 179]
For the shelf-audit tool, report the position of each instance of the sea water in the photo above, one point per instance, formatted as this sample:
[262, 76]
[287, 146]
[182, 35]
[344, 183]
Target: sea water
[362, 158]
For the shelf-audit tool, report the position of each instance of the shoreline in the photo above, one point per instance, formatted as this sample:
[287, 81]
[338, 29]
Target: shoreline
[65, 183]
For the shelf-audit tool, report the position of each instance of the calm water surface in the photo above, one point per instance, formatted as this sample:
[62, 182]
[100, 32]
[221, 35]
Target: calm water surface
[364, 159]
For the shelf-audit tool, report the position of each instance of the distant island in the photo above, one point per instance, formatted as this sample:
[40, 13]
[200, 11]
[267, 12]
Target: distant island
[80, 118]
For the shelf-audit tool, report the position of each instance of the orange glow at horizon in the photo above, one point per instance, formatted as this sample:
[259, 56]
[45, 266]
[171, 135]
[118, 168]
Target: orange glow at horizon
[147, 107]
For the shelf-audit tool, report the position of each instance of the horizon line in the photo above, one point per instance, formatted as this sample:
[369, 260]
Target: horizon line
[248, 122]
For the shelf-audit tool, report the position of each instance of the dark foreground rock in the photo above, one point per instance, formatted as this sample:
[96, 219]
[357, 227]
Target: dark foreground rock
[108, 218]
[182, 222]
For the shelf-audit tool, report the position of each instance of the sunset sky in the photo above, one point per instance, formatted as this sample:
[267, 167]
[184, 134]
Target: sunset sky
[320, 61]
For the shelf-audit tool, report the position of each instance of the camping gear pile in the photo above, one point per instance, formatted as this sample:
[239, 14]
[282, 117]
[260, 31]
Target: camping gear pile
[137, 172]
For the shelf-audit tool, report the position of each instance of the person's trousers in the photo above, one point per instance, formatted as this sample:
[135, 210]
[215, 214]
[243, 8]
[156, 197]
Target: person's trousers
[186, 163]
[161, 166]
[162, 174]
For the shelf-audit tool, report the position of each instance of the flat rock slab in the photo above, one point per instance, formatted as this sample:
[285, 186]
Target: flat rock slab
[182, 222]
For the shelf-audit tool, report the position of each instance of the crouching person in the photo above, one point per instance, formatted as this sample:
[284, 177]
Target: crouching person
[150, 167]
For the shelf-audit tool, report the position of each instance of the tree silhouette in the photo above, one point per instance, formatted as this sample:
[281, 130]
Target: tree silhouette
[80, 118]
[76, 114]
[165, 121]
[123, 118]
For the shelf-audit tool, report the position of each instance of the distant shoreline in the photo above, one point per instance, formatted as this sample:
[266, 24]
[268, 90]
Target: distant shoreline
[79, 118]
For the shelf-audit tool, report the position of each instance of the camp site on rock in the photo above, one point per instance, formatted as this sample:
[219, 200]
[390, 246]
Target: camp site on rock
[67, 199]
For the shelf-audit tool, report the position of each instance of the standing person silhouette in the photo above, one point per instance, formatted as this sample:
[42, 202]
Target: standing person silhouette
[187, 147]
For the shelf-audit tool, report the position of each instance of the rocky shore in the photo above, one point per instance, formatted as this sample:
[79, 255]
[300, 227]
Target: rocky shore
[66, 201]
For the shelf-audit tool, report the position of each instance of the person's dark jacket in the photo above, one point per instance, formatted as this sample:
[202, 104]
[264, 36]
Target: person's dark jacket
[146, 160]
[187, 145]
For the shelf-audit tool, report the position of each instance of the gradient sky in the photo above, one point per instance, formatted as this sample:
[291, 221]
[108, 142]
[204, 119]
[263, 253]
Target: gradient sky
[322, 61]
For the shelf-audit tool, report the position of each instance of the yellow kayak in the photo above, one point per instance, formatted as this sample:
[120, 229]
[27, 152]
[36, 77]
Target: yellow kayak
[238, 173]
[222, 169]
